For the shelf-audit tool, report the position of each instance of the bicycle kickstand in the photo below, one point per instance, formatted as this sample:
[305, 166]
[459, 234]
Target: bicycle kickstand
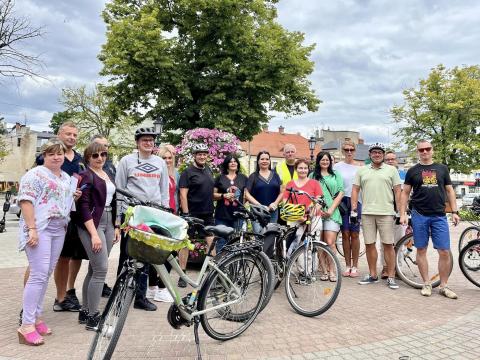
[196, 320]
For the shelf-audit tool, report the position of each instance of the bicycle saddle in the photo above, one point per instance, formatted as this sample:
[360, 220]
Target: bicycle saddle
[220, 230]
[240, 214]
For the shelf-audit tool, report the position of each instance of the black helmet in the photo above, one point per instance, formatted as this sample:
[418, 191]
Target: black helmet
[261, 213]
[145, 131]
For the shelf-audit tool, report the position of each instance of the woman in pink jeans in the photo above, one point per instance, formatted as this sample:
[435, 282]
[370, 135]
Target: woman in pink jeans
[45, 198]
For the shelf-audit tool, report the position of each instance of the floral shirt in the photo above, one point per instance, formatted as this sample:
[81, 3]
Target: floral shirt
[50, 195]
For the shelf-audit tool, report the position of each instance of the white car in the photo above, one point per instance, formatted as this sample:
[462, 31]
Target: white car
[467, 199]
[14, 207]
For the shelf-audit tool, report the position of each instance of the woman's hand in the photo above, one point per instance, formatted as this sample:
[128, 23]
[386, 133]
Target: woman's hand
[117, 236]
[77, 194]
[328, 213]
[96, 243]
[32, 237]
[272, 207]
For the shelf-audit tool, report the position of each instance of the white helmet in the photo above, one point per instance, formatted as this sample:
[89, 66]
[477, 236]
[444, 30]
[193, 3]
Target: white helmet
[377, 145]
[200, 148]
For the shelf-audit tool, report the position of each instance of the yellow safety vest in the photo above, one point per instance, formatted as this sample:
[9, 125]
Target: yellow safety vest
[282, 171]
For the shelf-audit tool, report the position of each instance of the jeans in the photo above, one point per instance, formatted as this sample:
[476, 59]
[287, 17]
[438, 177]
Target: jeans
[221, 242]
[257, 228]
[42, 259]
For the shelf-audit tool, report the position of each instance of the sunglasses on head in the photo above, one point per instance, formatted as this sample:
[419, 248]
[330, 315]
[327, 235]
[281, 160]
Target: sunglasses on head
[97, 155]
[427, 149]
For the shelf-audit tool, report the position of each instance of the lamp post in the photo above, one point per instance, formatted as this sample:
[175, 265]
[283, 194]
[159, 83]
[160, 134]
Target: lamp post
[311, 145]
[158, 127]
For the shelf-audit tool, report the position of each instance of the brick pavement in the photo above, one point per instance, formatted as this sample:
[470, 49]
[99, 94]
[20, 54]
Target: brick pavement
[366, 322]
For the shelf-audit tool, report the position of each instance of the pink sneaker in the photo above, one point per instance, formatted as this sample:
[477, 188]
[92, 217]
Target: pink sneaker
[346, 273]
[354, 272]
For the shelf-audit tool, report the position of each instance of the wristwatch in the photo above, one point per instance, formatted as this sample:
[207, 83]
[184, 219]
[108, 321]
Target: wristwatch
[455, 212]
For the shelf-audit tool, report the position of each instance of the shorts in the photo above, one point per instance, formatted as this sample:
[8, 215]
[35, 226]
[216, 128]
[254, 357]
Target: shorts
[330, 225]
[199, 232]
[72, 247]
[346, 225]
[434, 226]
[383, 224]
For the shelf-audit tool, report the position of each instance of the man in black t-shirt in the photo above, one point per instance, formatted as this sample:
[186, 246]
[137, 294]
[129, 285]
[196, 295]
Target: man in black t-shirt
[432, 187]
[196, 195]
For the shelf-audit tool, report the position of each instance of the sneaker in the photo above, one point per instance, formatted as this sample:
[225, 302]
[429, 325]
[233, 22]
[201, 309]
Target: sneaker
[82, 316]
[92, 321]
[445, 291]
[151, 292]
[107, 291]
[65, 305]
[163, 295]
[346, 273]
[384, 274]
[73, 299]
[305, 279]
[368, 280]
[392, 284]
[182, 283]
[144, 304]
[354, 272]
[426, 290]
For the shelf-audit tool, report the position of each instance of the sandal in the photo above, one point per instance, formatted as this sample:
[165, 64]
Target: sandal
[332, 278]
[324, 277]
[43, 329]
[32, 338]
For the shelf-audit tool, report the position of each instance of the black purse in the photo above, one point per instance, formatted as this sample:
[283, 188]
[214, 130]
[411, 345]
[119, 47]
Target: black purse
[341, 207]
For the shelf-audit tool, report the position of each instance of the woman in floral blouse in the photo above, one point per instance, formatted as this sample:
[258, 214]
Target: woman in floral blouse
[45, 198]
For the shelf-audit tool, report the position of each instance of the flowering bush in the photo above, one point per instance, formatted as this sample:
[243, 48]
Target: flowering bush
[220, 144]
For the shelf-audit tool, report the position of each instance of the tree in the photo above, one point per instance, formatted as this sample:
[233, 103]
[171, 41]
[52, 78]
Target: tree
[3, 144]
[95, 113]
[14, 32]
[206, 64]
[444, 109]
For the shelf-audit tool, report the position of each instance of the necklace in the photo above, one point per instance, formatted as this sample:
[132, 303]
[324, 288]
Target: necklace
[232, 181]
[101, 174]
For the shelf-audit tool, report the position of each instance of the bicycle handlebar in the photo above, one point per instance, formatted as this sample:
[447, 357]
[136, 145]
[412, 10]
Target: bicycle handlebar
[320, 201]
[137, 201]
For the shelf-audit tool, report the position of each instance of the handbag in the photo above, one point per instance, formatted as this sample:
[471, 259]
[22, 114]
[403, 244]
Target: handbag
[341, 206]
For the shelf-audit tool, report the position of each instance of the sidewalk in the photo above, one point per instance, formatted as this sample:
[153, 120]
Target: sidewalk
[366, 322]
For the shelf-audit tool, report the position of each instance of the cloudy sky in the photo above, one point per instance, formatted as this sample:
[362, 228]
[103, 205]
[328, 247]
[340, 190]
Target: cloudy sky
[366, 53]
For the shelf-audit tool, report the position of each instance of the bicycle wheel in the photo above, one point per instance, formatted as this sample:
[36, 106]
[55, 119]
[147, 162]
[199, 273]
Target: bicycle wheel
[406, 262]
[269, 278]
[469, 234]
[245, 271]
[306, 293]
[469, 261]
[339, 244]
[113, 318]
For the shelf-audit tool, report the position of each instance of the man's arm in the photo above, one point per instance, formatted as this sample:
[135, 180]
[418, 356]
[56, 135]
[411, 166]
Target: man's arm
[164, 182]
[453, 203]
[183, 200]
[354, 201]
[397, 190]
[405, 195]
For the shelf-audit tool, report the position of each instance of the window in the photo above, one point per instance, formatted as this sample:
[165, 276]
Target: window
[19, 141]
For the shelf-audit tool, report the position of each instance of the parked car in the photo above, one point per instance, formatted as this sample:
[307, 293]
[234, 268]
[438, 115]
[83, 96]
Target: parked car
[14, 206]
[467, 199]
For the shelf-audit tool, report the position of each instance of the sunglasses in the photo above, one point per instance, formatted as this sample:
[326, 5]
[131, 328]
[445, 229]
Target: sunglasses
[427, 149]
[97, 155]
[349, 150]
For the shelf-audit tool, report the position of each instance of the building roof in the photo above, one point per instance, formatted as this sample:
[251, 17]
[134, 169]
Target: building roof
[362, 151]
[44, 134]
[274, 141]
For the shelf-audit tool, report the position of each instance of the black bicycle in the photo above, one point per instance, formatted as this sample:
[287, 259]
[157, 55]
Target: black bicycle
[469, 261]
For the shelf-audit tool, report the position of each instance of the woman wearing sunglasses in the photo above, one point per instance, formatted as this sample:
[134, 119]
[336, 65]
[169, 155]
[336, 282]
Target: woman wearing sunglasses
[97, 229]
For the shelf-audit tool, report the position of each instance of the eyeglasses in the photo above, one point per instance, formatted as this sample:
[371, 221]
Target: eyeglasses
[349, 150]
[390, 159]
[427, 149]
[97, 155]
[376, 152]
[147, 140]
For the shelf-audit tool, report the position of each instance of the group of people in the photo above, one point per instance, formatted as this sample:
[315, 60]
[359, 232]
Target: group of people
[71, 211]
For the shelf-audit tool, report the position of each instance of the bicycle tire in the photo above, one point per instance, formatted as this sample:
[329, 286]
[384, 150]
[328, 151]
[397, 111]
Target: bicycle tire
[215, 291]
[406, 265]
[469, 261]
[269, 275]
[279, 262]
[296, 289]
[339, 245]
[113, 318]
[469, 234]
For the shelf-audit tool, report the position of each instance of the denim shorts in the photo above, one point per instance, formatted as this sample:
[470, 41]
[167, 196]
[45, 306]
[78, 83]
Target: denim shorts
[434, 226]
[346, 225]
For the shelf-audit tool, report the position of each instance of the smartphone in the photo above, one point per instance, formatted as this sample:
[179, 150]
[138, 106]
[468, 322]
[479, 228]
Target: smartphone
[83, 187]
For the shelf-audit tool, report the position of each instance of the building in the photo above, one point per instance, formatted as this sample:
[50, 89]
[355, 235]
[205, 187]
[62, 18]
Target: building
[273, 142]
[23, 145]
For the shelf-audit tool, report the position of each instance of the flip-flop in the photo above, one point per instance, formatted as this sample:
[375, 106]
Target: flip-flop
[332, 278]
[324, 277]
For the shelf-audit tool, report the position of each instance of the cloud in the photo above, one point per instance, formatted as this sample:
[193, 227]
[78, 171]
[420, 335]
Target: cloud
[366, 53]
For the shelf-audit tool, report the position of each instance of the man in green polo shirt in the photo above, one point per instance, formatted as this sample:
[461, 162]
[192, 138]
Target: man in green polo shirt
[376, 181]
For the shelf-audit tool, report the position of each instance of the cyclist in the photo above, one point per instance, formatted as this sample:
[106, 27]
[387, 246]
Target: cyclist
[145, 176]
[376, 182]
[431, 186]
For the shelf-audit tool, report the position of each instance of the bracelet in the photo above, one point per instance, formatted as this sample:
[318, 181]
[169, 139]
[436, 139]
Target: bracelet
[32, 228]
[117, 226]
[222, 196]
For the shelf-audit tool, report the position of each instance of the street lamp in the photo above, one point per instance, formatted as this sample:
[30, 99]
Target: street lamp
[311, 145]
[158, 127]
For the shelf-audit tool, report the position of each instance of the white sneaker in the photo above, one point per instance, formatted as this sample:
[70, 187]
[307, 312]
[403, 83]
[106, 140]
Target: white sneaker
[151, 292]
[163, 295]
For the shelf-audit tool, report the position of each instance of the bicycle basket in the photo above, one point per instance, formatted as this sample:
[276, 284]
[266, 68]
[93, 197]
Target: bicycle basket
[150, 247]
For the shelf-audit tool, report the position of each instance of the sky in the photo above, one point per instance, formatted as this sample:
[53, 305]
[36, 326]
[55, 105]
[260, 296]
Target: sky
[366, 53]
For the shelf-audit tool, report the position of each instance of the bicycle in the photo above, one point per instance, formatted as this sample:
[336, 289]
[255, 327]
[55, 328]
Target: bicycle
[306, 293]
[406, 261]
[469, 261]
[224, 299]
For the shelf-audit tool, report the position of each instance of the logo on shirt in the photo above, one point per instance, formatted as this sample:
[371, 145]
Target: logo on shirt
[429, 178]
[147, 168]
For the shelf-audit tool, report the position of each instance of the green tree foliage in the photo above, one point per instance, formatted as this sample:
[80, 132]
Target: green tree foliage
[3, 144]
[445, 109]
[206, 63]
[59, 118]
